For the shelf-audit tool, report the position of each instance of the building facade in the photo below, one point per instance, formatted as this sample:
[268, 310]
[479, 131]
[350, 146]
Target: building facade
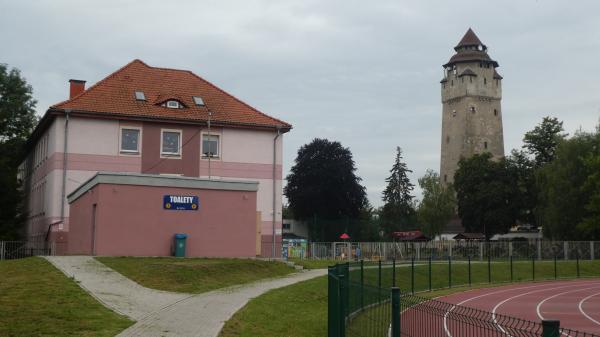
[471, 106]
[156, 121]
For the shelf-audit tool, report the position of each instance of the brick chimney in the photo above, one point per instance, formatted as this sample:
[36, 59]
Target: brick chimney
[76, 88]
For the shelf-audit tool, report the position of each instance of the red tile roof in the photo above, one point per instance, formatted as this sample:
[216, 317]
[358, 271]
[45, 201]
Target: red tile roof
[114, 95]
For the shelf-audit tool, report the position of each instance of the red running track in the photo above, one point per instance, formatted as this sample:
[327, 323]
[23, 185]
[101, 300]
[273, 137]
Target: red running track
[576, 303]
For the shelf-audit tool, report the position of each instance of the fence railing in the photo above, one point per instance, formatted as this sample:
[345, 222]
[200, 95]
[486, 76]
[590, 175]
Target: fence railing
[362, 302]
[20, 249]
[442, 249]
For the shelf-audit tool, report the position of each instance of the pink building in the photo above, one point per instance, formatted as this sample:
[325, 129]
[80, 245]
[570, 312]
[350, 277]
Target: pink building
[151, 121]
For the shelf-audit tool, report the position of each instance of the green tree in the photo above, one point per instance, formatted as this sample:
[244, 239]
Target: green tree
[324, 189]
[542, 141]
[568, 189]
[486, 194]
[527, 193]
[17, 120]
[398, 210]
[438, 205]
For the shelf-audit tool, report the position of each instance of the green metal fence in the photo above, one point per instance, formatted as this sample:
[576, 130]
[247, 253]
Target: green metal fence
[366, 300]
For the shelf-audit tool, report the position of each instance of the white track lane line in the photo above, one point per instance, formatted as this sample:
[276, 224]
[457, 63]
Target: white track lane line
[583, 312]
[523, 294]
[483, 295]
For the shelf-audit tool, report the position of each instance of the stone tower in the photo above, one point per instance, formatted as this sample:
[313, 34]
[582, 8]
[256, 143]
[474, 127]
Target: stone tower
[471, 113]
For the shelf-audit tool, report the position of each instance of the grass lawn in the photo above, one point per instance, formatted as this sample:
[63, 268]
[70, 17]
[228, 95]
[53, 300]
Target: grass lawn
[36, 299]
[194, 275]
[294, 311]
[300, 310]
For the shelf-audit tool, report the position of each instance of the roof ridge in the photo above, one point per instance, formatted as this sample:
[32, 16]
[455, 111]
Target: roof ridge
[100, 82]
[237, 99]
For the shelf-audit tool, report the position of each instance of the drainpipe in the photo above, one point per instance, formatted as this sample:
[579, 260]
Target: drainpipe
[275, 187]
[64, 177]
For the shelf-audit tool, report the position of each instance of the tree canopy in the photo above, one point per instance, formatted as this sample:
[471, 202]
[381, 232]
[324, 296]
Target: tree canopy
[323, 184]
[17, 120]
[542, 141]
[486, 194]
[398, 211]
[437, 206]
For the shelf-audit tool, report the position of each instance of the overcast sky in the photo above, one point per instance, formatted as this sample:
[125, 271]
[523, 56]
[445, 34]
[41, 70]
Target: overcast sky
[363, 73]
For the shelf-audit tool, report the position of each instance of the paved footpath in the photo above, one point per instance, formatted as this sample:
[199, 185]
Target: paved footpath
[166, 314]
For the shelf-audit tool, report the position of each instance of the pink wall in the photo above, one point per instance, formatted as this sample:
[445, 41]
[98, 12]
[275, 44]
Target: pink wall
[189, 162]
[130, 220]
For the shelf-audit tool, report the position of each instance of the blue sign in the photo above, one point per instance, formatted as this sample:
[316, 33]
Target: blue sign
[181, 203]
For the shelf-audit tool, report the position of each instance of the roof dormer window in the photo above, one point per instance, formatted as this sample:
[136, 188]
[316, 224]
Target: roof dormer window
[139, 95]
[172, 104]
[198, 100]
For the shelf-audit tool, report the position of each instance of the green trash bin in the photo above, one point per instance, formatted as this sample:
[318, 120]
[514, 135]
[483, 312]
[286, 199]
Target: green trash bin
[180, 244]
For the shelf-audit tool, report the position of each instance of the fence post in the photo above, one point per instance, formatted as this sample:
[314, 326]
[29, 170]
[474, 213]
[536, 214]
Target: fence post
[419, 251]
[394, 272]
[469, 270]
[450, 243]
[362, 285]
[395, 312]
[489, 268]
[577, 257]
[550, 328]
[343, 304]
[592, 250]
[539, 249]
[333, 250]
[566, 249]
[333, 303]
[379, 275]
[449, 272]
[1, 250]
[412, 275]
[511, 269]
[510, 248]
[533, 268]
[430, 273]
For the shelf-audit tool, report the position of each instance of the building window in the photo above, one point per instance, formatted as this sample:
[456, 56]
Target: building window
[170, 143]
[173, 104]
[285, 226]
[210, 145]
[445, 178]
[473, 109]
[453, 113]
[485, 145]
[495, 112]
[485, 81]
[130, 140]
[447, 139]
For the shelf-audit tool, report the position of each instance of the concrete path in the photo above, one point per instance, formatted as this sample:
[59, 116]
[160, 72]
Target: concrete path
[165, 314]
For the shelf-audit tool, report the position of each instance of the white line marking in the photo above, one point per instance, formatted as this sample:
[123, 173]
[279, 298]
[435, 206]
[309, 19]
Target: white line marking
[447, 330]
[583, 312]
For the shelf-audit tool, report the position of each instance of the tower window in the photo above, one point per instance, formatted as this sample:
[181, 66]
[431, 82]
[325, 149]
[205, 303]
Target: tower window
[445, 178]
[473, 109]
[447, 139]
[453, 113]
[484, 80]
[495, 112]
[485, 145]
[471, 79]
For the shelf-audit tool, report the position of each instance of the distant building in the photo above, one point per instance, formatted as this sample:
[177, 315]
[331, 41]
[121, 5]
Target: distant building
[294, 229]
[154, 121]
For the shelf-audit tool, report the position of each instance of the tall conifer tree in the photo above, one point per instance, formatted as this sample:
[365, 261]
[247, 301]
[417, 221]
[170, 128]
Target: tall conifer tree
[398, 210]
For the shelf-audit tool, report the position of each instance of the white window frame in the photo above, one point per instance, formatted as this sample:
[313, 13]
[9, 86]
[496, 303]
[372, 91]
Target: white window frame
[176, 106]
[179, 149]
[219, 147]
[139, 144]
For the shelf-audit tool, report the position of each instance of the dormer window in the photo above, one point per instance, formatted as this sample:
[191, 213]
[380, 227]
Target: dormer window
[198, 100]
[139, 95]
[172, 104]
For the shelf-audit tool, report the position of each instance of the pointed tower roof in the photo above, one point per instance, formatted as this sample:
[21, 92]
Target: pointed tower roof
[469, 39]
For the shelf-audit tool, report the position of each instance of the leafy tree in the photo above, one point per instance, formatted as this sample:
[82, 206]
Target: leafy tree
[526, 188]
[568, 189]
[486, 194]
[398, 209]
[323, 188]
[542, 141]
[438, 205]
[17, 120]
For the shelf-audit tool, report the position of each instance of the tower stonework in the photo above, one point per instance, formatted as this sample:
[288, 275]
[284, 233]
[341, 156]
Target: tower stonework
[471, 113]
